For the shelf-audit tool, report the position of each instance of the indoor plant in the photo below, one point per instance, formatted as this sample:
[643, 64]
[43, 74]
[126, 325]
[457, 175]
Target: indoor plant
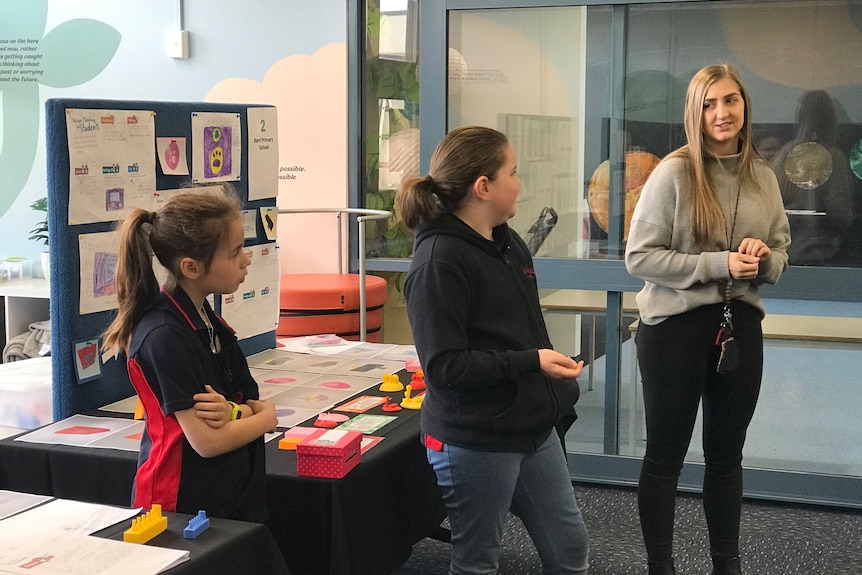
[40, 232]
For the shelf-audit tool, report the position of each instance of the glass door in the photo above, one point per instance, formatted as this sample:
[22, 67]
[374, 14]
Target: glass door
[591, 96]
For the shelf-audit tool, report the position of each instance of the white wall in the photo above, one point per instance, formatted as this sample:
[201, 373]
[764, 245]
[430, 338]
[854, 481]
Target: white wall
[291, 53]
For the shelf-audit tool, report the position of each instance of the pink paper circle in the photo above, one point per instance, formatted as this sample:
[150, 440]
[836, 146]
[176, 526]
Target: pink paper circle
[336, 385]
[280, 380]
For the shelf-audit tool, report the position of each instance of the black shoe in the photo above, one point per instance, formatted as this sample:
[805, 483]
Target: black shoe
[726, 566]
[663, 568]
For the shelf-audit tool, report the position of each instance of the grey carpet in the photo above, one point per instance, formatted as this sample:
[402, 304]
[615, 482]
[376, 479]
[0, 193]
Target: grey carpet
[776, 539]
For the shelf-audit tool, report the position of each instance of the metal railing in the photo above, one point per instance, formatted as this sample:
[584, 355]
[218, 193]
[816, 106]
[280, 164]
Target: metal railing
[364, 216]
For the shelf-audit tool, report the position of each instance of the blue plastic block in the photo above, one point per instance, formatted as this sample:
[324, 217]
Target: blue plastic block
[197, 525]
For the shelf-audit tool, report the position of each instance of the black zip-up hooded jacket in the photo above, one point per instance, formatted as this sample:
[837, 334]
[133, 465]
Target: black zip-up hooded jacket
[474, 311]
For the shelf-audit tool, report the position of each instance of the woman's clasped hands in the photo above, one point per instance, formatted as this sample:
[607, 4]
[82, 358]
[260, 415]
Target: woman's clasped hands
[745, 263]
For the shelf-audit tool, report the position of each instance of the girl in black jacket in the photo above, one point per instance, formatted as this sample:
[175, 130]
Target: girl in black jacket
[495, 388]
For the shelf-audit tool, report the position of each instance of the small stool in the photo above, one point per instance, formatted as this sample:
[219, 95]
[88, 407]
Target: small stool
[312, 304]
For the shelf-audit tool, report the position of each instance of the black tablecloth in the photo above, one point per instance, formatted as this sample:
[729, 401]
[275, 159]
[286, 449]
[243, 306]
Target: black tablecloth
[224, 547]
[364, 523]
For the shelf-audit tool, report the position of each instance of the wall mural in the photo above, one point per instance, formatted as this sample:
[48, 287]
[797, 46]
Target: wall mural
[72, 53]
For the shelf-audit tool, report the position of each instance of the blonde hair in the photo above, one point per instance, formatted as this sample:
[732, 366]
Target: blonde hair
[706, 212]
[190, 224]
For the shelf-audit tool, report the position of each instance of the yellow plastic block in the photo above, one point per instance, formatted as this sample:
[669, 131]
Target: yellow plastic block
[146, 526]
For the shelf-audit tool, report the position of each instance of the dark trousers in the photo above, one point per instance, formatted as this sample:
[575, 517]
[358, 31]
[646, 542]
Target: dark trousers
[677, 359]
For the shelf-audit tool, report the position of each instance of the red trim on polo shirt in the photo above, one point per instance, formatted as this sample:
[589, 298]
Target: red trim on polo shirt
[179, 307]
[164, 431]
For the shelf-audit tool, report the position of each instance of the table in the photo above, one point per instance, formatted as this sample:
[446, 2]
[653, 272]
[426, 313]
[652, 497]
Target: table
[226, 546]
[364, 523]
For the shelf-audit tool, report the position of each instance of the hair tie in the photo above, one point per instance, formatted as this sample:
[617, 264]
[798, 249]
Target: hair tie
[430, 184]
[147, 223]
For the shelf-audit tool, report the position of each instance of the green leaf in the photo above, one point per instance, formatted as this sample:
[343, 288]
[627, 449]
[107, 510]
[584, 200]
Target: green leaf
[412, 93]
[372, 157]
[388, 84]
[408, 74]
[375, 201]
[40, 205]
[372, 143]
[17, 22]
[372, 22]
[76, 51]
[19, 121]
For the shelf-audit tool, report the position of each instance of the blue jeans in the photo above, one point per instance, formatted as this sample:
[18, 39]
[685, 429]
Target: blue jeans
[479, 489]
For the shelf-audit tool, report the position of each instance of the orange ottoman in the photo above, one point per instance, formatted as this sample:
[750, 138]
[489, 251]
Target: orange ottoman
[312, 304]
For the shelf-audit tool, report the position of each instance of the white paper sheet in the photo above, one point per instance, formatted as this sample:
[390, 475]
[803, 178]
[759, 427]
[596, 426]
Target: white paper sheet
[262, 153]
[112, 163]
[80, 430]
[98, 256]
[67, 515]
[253, 308]
[47, 552]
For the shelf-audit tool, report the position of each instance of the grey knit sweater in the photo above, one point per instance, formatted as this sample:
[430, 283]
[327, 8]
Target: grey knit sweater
[678, 274]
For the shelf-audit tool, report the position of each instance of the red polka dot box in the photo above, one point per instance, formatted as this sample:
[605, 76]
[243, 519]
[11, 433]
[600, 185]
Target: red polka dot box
[330, 453]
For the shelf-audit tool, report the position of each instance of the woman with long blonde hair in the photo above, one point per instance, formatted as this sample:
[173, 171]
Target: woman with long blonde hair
[708, 230]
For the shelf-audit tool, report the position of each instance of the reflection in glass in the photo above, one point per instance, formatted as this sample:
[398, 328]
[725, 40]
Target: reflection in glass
[639, 165]
[815, 181]
[521, 72]
[391, 119]
[554, 77]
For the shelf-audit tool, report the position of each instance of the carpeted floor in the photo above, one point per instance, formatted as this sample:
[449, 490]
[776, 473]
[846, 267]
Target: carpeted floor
[776, 539]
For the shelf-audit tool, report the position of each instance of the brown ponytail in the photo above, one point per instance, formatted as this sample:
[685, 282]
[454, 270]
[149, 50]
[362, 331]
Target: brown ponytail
[463, 156]
[190, 224]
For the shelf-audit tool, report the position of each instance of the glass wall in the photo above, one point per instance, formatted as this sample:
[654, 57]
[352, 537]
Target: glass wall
[548, 78]
[591, 97]
[522, 73]
[391, 118]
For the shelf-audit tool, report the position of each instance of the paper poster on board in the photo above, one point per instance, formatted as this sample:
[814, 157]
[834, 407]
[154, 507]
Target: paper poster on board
[269, 219]
[253, 308]
[172, 156]
[98, 257]
[262, 153]
[249, 224]
[216, 147]
[162, 196]
[98, 254]
[112, 164]
[87, 365]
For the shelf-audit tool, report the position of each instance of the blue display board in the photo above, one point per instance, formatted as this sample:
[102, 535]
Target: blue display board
[72, 332]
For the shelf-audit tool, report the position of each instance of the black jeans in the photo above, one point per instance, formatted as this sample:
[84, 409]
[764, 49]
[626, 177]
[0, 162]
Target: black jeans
[677, 359]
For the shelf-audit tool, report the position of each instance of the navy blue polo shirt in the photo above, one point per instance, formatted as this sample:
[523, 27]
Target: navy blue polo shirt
[169, 361]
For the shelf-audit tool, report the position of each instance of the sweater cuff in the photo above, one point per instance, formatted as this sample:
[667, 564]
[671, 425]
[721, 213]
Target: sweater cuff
[716, 265]
[525, 361]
